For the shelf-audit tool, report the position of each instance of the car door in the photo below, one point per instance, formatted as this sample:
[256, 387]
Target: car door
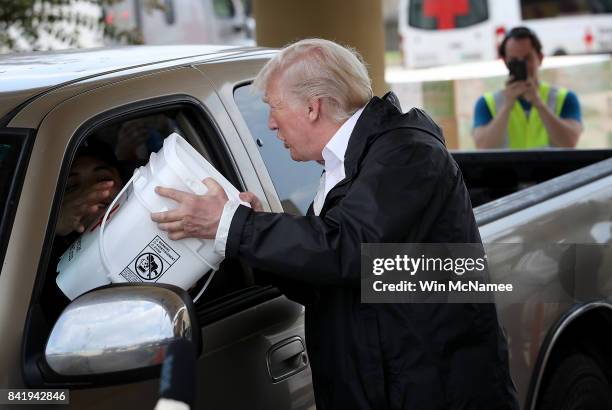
[253, 340]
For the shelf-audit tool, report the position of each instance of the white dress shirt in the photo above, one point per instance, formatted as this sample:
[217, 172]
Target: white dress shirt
[333, 157]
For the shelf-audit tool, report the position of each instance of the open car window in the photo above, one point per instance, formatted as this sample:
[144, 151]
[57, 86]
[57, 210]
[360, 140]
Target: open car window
[130, 142]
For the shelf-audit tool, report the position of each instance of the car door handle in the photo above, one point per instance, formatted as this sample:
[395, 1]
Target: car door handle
[286, 358]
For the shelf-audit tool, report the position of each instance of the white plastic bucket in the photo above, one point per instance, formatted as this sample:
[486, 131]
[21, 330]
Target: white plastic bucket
[126, 245]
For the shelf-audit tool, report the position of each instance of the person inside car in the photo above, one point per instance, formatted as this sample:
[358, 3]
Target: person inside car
[94, 180]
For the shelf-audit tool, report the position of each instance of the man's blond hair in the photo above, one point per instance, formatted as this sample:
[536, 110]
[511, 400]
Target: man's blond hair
[318, 68]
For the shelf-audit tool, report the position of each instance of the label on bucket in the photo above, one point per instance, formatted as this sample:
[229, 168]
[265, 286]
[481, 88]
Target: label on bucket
[151, 263]
[74, 249]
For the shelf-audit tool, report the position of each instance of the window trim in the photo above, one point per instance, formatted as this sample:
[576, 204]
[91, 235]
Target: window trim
[28, 137]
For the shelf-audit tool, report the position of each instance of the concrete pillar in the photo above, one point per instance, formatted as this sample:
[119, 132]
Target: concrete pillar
[356, 23]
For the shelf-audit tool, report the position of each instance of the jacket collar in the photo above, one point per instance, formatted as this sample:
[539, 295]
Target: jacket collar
[381, 115]
[371, 122]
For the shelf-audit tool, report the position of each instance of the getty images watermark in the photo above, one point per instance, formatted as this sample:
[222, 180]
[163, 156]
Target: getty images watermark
[475, 273]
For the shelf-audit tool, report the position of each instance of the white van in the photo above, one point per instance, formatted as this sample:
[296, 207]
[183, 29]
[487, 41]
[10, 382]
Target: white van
[438, 32]
[184, 21]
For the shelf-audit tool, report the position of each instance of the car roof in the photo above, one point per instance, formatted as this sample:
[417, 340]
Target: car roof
[40, 70]
[26, 75]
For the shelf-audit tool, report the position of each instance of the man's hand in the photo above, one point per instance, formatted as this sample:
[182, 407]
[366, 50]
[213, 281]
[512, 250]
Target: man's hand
[252, 200]
[196, 216]
[532, 93]
[79, 206]
[514, 90]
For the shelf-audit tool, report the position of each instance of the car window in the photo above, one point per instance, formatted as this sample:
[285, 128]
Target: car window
[126, 145]
[296, 182]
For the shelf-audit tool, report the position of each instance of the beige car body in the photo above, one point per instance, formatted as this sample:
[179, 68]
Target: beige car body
[121, 77]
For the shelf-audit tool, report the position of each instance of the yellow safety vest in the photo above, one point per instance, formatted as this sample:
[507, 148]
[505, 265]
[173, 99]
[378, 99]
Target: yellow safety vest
[523, 132]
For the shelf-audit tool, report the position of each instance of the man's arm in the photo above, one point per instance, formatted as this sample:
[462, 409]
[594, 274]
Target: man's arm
[394, 199]
[399, 191]
[492, 134]
[563, 132]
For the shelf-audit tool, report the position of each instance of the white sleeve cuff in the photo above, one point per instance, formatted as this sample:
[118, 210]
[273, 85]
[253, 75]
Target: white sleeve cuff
[169, 404]
[224, 225]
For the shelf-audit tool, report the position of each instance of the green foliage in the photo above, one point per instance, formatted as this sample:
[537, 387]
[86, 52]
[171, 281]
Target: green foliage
[46, 24]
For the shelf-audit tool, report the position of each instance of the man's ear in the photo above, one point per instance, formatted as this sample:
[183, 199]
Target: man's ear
[314, 109]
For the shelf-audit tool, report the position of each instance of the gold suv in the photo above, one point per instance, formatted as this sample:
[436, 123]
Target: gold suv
[253, 353]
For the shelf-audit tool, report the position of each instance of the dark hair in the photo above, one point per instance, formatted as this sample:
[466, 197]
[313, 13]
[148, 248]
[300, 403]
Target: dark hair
[99, 150]
[519, 33]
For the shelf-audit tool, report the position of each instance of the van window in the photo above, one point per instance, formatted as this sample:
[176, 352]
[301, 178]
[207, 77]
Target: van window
[539, 9]
[224, 8]
[296, 183]
[444, 15]
[169, 12]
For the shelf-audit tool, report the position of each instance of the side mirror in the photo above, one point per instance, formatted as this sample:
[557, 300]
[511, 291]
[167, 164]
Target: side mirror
[120, 328]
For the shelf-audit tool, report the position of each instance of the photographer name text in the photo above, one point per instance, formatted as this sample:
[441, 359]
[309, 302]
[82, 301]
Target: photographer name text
[436, 286]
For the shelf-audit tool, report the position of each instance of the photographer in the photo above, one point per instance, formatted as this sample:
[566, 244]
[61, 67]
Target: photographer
[527, 113]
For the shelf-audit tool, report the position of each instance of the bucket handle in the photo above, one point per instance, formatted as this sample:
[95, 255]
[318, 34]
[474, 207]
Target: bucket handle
[105, 261]
[208, 280]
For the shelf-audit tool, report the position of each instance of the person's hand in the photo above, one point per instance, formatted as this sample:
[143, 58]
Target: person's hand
[252, 200]
[80, 205]
[532, 93]
[515, 89]
[196, 216]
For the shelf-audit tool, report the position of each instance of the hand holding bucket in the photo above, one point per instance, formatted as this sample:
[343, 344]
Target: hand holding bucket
[196, 216]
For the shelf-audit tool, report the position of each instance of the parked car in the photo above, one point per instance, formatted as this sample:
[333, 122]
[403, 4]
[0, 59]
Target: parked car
[250, 337]
[253, 349]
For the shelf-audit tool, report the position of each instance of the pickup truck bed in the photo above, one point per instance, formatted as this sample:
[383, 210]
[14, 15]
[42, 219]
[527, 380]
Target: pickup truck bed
[538, 199]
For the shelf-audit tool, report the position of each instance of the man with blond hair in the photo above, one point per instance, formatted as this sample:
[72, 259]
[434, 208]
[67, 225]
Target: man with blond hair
[388, 178]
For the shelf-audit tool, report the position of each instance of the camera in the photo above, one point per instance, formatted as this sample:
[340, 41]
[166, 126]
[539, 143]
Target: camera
[518, 70]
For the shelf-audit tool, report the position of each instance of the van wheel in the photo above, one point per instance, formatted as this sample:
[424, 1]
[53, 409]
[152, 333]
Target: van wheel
[578, 383]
